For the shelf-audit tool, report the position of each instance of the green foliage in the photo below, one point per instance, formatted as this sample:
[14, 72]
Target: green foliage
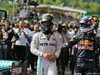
[9, 7]
[91, 6]
[94, 8]
[49, 2]
[58, 2]
[39, 2]
[83, 5]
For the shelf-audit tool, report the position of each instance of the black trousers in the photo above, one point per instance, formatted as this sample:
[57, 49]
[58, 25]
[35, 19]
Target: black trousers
[63, 56]
[32, 60]
[20, 52]
[84, 67]
[73, 61]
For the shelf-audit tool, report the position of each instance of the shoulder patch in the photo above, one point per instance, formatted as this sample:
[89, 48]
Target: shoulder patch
[92, 38]
[71, 39]
[14, 32]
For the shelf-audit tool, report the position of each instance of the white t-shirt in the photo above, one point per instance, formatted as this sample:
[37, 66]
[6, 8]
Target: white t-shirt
[22, 39]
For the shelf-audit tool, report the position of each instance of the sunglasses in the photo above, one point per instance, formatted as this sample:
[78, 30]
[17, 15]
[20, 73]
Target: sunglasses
[96, 21]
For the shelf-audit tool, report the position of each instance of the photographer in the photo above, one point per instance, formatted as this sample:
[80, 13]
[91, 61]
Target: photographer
[31, 14]
[35, 19]
[64, 38]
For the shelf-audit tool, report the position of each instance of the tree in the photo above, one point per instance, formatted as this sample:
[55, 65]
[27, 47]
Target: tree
[50, 2]
[94, 8]
[40, 1]
[58, 2]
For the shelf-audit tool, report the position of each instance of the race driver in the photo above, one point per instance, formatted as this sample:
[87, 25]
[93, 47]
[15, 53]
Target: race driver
[88, 47]
[46, 45]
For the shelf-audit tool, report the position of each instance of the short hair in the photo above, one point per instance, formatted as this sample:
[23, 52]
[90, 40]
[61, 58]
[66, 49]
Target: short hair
[3, 18]
[20, 18]
[94, 16]
[7, 21]
[21, 21]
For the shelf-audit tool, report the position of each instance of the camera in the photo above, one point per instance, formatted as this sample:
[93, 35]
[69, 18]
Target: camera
[75, 28]
[60, 28]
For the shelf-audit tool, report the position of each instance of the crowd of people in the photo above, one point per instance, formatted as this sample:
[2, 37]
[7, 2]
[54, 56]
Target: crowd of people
[23, 10]
[32, 37]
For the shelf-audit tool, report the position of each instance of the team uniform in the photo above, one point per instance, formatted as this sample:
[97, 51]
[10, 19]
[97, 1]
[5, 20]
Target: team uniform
[41, 44]
[88, 48]
[7, 39]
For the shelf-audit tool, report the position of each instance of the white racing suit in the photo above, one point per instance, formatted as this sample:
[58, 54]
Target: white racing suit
[40, 44]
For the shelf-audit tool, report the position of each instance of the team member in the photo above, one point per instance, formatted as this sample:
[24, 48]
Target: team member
[88, 45]
[6, 40]
[20, 45]
[46, 45]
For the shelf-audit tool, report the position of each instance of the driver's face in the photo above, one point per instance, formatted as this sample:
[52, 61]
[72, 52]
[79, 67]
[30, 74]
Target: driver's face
[84, 25]
[46, 23]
